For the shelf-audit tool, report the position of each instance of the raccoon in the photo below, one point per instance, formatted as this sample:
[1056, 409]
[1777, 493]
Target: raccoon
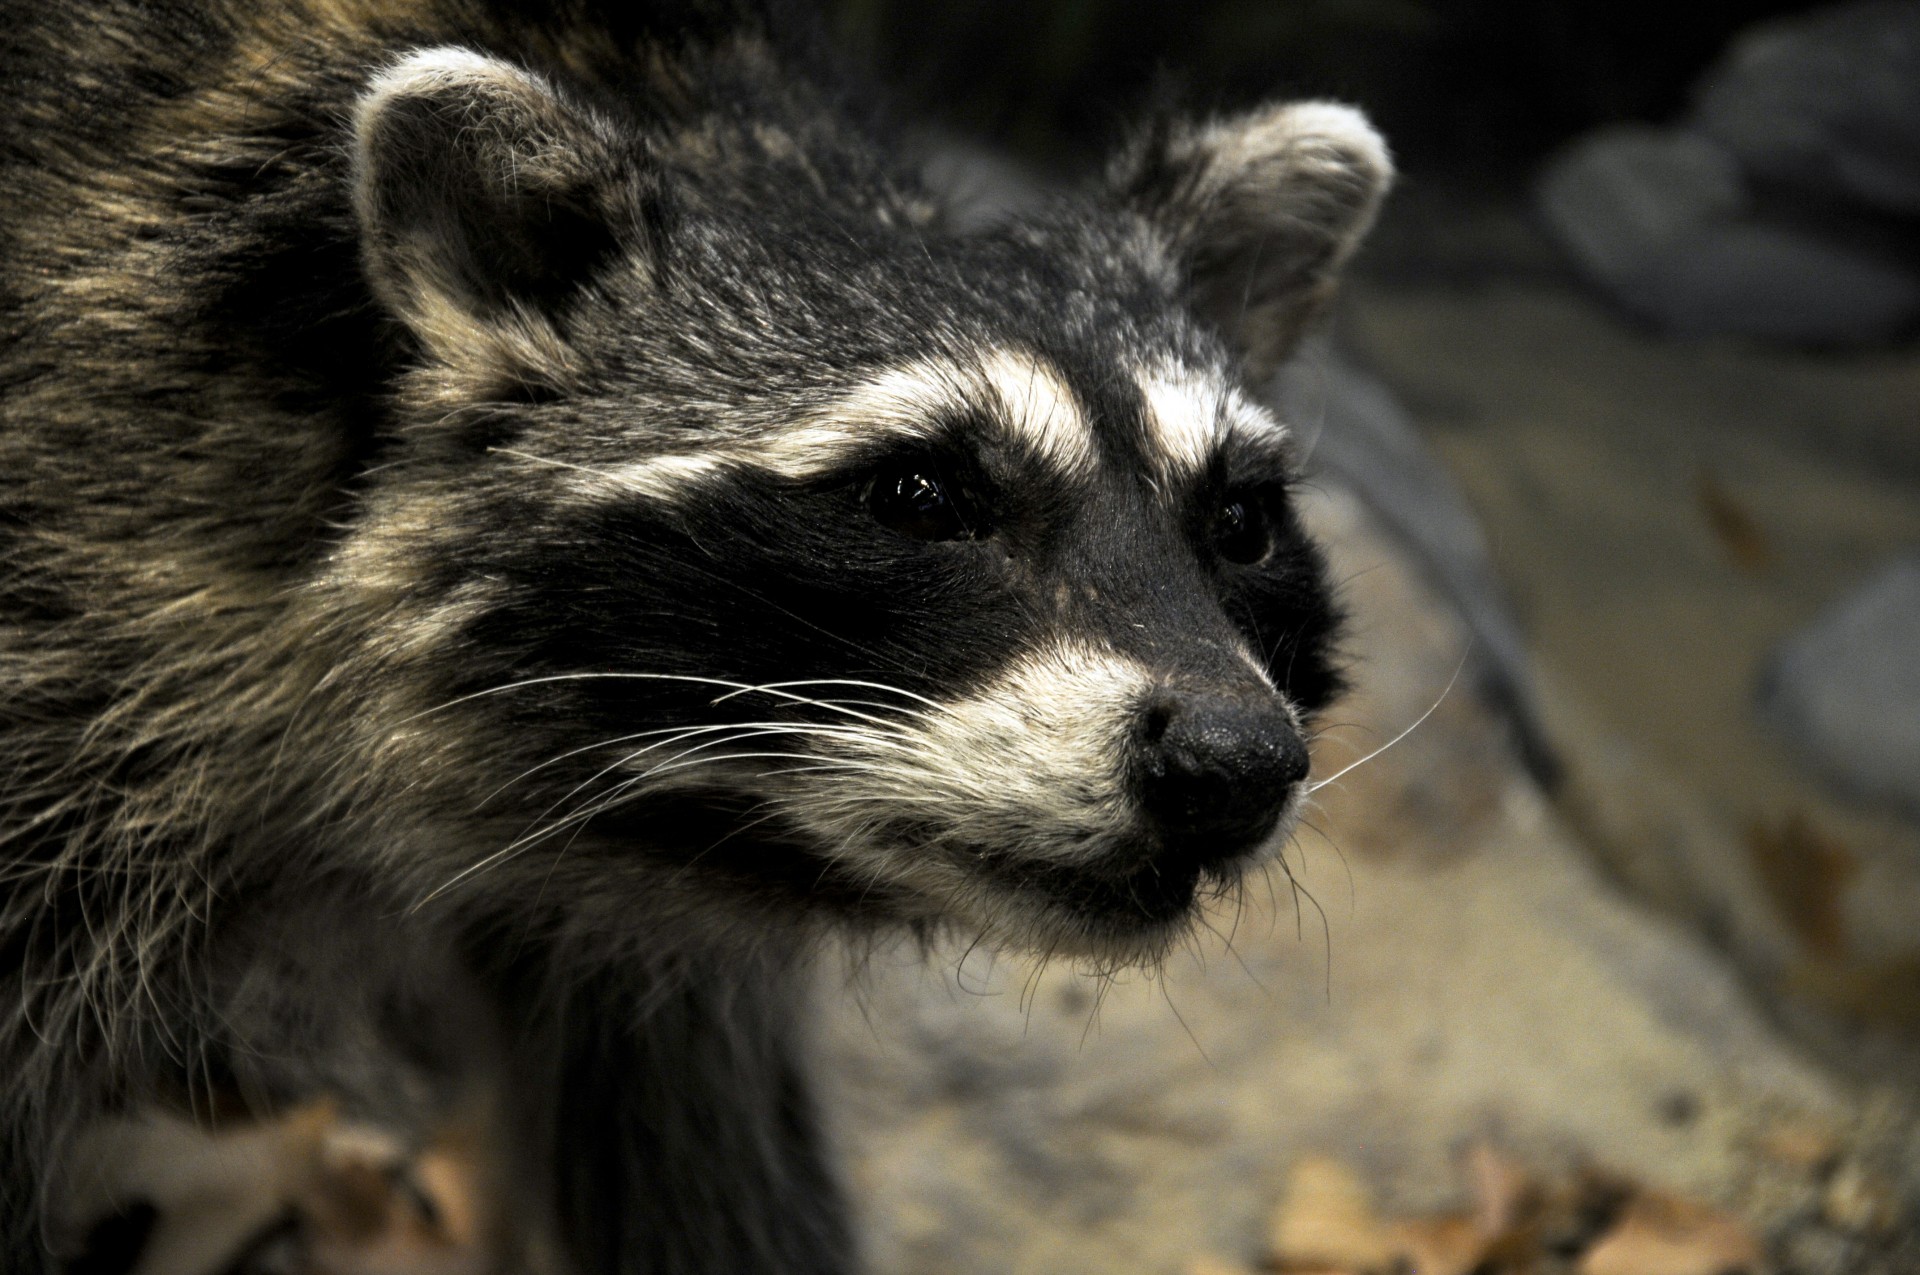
[520, 521]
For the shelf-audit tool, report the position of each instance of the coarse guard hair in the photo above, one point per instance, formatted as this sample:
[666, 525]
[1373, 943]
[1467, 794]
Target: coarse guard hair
[515, 521]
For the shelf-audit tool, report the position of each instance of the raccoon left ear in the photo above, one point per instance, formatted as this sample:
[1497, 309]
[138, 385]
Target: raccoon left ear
[485, 200]
[1261, 211]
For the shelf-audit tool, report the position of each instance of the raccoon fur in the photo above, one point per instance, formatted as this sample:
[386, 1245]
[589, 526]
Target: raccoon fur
[517, 521]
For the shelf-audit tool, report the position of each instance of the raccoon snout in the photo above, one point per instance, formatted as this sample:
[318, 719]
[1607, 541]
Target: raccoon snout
[1217, 770]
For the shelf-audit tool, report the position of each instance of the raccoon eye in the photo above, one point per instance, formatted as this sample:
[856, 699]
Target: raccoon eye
[915, 500]
[1242, 531]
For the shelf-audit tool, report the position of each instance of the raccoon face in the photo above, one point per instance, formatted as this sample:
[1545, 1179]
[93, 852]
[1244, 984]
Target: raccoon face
[757, 531]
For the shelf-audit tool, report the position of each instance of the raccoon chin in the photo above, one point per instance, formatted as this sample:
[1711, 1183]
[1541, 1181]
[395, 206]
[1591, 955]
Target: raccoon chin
[1127, 906]
[1113, 921]
[1120, 904]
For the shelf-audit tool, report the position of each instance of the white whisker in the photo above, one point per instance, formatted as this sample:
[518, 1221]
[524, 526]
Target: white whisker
[1317, 785]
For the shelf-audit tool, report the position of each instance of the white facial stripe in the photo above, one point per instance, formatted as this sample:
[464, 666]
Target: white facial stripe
[1190, 415]
[1032, 766]
[1183, 424]
[665, 477]
[1022, 396]
[904, 401]
[1041, 411]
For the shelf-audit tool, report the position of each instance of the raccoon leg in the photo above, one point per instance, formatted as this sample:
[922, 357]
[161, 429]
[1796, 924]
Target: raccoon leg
[684, 1137]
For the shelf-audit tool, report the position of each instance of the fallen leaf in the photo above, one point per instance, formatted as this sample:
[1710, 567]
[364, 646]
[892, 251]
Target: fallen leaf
[1210, 1265]
[1733, 526]
[1447, 1245]
[371, 1211]
[1519, 1224]
[1665, 1235]
[1502, 1190]
[1806, 874]
[1857, 1201]
[1326, 1219]
[1327, 1224]
[1800, 1144]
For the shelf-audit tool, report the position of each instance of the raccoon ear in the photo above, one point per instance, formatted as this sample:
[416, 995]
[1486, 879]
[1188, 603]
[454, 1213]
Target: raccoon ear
[1261, 211]
[485, 198]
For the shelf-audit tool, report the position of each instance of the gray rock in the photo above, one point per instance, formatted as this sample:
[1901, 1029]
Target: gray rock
[1619, 196]
[1827, 102]
[977, 187]
[1662, 221]
[1779, 284]
[1845, 691]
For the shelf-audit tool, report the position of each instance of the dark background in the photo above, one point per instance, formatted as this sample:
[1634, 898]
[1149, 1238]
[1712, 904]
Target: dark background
[1470, 87]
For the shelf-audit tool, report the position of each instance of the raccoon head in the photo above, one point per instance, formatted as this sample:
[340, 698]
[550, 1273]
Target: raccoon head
[760, 541]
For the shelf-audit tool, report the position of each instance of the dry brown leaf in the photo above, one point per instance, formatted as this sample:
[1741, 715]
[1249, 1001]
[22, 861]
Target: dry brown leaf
[1858, 1201]
[451, 1179]
[1448, 1245]
[372, 1213]
[1327, 1225]
[1665, 1235]
[1326, 1219]
[1806, 874]
[1736, 529]
[1503, 1191]
[359, 1201]
[1207, 1264]
[1800, 1144]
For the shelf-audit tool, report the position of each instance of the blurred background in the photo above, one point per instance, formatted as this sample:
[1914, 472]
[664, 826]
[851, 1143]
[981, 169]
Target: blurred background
[1474, 88]
[1629, 378]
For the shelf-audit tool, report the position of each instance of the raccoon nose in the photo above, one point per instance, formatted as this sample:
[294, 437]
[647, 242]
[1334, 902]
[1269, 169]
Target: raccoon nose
[1218, 770]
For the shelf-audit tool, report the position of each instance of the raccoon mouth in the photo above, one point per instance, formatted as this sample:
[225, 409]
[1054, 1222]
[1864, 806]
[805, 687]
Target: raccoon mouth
[1161, 891]
[1121, 898]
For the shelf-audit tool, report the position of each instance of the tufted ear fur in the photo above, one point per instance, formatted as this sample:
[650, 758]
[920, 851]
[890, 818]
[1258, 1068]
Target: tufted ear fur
[1261, 211]
[485, 201]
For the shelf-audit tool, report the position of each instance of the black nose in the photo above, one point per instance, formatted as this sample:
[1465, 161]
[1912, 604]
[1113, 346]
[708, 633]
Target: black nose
[1218, 769]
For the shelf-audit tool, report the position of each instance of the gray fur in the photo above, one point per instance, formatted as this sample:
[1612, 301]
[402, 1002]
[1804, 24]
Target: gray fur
[331, 636]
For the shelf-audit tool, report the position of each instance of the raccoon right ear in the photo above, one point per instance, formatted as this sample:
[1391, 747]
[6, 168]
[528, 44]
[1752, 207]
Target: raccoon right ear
[1260, 211]
[485, 199]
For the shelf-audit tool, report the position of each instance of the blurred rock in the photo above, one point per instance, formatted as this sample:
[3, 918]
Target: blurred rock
[1845, 691]
[1621, 195]
[1821, 111]
[1828, 102]
[977, 187]
[1663, 222]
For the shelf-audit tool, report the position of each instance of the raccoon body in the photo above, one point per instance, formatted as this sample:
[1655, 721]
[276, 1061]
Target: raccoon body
[516, 520]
